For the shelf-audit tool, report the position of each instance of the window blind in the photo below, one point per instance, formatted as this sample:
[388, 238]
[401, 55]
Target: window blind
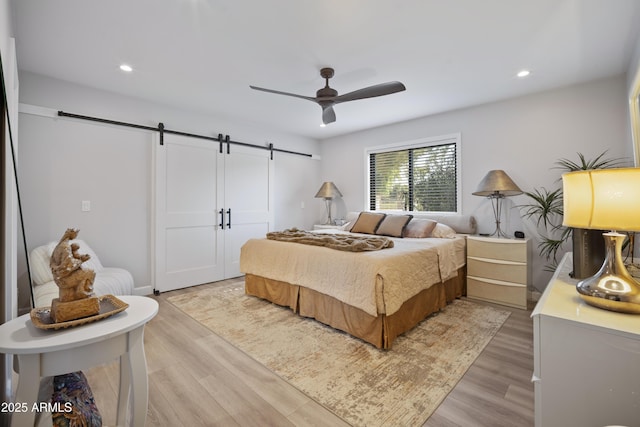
[416, 179]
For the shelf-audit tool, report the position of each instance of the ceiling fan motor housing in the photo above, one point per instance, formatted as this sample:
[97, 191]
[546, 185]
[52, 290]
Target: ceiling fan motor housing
[326, 92]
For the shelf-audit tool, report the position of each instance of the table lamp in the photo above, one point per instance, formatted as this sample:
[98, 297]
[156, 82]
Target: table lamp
[328, 191]
[496, 185]
[606, 199]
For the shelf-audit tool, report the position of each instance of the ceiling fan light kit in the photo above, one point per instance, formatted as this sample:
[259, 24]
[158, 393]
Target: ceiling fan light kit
[327, 97]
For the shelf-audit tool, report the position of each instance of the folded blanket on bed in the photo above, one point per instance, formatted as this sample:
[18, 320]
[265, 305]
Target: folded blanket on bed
[340, 242]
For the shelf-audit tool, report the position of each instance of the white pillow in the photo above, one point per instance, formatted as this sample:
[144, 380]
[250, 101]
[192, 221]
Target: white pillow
[39, 264]
[40, 257]
[443, 231]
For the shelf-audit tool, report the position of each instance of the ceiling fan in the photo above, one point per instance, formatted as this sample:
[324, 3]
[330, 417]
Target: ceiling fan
[327, 97]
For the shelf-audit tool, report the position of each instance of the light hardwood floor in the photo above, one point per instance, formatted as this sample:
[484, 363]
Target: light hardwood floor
[198, 379]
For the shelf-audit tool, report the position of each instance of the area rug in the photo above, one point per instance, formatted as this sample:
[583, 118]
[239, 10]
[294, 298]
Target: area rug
[361, 384]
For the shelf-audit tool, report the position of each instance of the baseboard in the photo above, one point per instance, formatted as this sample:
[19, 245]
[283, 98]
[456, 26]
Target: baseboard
[143, 290]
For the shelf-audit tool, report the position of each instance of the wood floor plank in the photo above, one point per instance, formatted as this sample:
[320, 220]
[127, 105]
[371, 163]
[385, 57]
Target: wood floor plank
[196, 378]
[189, 399]
[245, 406]
[254, 376]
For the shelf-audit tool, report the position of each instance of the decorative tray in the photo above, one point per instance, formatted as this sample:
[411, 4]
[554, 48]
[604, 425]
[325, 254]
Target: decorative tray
[109, 305]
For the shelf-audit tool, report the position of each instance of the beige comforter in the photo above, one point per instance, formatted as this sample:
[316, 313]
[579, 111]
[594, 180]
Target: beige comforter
[376, 282]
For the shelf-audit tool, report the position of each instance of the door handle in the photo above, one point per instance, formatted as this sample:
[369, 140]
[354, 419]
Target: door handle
[221, 219]
[229, 218]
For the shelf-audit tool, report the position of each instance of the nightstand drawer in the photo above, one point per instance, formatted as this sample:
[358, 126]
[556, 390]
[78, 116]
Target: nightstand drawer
[507, 271]
[512, 294]
[503, 249]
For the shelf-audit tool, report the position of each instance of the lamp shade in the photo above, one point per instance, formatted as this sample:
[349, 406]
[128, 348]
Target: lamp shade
[328, 190]
[602, 199]
[497, 183]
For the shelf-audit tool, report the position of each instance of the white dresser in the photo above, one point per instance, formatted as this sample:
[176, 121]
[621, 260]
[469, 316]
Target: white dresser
[586, 368]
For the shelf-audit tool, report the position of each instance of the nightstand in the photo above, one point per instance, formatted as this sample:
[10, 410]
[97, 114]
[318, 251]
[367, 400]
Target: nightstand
[325, 227]
[498, 270]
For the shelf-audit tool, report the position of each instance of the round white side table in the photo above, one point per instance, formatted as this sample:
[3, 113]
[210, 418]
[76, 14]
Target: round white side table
[43, 353]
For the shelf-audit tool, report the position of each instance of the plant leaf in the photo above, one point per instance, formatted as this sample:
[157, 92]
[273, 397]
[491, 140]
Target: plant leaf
[597, 163]
[546, 206]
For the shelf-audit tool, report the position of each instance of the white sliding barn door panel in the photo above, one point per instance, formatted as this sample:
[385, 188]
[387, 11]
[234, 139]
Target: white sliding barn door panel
[249, 196]
[189, 244]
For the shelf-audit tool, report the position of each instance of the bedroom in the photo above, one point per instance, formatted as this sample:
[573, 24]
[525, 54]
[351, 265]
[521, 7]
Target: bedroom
[583, 116]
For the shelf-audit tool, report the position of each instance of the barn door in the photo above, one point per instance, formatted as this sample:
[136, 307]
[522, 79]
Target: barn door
[248, 201]
[189, 242]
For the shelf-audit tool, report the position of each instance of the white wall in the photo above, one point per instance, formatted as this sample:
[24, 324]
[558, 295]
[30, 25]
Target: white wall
[65, 161]
[523, 136]
[8, 268]
[633, 84]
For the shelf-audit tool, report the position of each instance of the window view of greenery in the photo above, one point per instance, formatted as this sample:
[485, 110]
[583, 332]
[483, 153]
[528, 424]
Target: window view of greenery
[420, 179]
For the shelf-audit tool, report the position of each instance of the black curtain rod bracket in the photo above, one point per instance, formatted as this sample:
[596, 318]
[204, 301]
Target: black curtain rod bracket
[161, 130]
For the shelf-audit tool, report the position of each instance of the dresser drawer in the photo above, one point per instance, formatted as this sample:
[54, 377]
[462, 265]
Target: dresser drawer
[512, 294]
[507, 271]
[503, 249]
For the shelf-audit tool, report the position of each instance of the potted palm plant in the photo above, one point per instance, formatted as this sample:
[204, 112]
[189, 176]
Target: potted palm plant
[546, 210]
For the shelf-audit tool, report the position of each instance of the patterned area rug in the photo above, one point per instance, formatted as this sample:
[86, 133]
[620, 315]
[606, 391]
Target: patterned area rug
[358, 382]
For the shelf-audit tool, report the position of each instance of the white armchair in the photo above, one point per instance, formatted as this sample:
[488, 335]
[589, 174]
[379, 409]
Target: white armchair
[109, 280]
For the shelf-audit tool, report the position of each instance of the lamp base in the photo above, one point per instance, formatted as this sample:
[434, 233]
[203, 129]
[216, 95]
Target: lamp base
[496, 204]
[327, 202]
[612, 287]
[499, 233]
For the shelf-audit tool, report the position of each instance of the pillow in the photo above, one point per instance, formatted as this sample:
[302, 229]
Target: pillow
[346, 226]
[393, 225]
[39, 263]
[419, 228]
[367, 222]
[443, 231]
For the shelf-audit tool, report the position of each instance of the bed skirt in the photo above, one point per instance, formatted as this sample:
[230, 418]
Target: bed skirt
[380, 331]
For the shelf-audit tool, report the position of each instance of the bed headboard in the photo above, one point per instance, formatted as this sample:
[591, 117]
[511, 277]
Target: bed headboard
[463, 224]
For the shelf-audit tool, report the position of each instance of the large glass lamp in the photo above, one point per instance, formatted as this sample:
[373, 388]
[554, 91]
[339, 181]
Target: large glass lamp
[328, 191]
[606, 199]
[496, 185]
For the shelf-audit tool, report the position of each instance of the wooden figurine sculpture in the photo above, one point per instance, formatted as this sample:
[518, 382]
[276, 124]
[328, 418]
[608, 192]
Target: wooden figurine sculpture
[75, 298]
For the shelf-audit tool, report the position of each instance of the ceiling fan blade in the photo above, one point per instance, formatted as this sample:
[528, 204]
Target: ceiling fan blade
[308, 98]
[328, 115]
[371, 92]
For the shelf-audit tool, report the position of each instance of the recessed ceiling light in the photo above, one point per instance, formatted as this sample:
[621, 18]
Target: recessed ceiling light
[322, 125]
[523, 73]
[126, 68]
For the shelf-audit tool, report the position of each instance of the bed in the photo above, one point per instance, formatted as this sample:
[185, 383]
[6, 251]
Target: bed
[373, 295]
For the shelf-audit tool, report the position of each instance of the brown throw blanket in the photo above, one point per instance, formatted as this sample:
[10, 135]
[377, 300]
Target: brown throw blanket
[341, 242]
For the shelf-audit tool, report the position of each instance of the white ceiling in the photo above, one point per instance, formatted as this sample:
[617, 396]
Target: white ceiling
[202, 55]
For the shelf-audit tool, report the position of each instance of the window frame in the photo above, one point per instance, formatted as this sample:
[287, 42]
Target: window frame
[454, 138]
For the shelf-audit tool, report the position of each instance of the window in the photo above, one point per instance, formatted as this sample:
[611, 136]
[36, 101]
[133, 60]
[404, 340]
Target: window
[422, 176]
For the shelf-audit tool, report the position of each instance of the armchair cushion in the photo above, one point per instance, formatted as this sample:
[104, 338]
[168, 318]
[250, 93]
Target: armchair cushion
[40, 256]
[109, 280]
